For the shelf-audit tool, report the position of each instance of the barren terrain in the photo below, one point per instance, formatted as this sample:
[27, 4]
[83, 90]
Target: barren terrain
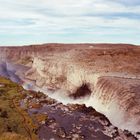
[103, 76]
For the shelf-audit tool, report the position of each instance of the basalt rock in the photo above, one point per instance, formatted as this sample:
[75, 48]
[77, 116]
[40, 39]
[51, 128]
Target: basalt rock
[111, 73]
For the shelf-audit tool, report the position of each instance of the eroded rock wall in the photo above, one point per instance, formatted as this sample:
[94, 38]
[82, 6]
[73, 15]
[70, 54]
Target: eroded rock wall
[111, 72]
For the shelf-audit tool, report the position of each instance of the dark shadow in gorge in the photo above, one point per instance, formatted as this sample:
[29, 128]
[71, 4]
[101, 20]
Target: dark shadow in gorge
[82, 91]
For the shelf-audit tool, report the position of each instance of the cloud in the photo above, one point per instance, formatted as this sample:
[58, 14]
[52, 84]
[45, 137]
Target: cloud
[31, 21]
[129, 2]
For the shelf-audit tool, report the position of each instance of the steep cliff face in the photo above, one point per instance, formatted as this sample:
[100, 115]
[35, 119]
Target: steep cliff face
[114, 94]
[75, 66]
[59, 74]
[110, 74]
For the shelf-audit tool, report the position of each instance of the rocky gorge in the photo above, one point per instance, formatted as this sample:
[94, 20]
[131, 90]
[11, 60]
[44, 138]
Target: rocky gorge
[103, 76]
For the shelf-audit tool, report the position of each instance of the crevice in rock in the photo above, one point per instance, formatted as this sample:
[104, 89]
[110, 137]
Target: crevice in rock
[82, 91]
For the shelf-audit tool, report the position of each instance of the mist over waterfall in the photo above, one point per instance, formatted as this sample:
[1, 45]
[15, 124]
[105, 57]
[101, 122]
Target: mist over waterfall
[106, 98]
[12, 71]
[8, 71]
[109, 108]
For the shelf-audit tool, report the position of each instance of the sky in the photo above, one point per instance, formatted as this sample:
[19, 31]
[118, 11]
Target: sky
[25, 22]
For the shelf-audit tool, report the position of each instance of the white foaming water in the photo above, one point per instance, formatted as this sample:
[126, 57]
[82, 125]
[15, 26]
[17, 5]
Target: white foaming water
[59, 95]
[65, 99]
[111, 110]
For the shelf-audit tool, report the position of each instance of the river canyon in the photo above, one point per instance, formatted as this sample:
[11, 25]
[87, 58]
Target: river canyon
[105, 77]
